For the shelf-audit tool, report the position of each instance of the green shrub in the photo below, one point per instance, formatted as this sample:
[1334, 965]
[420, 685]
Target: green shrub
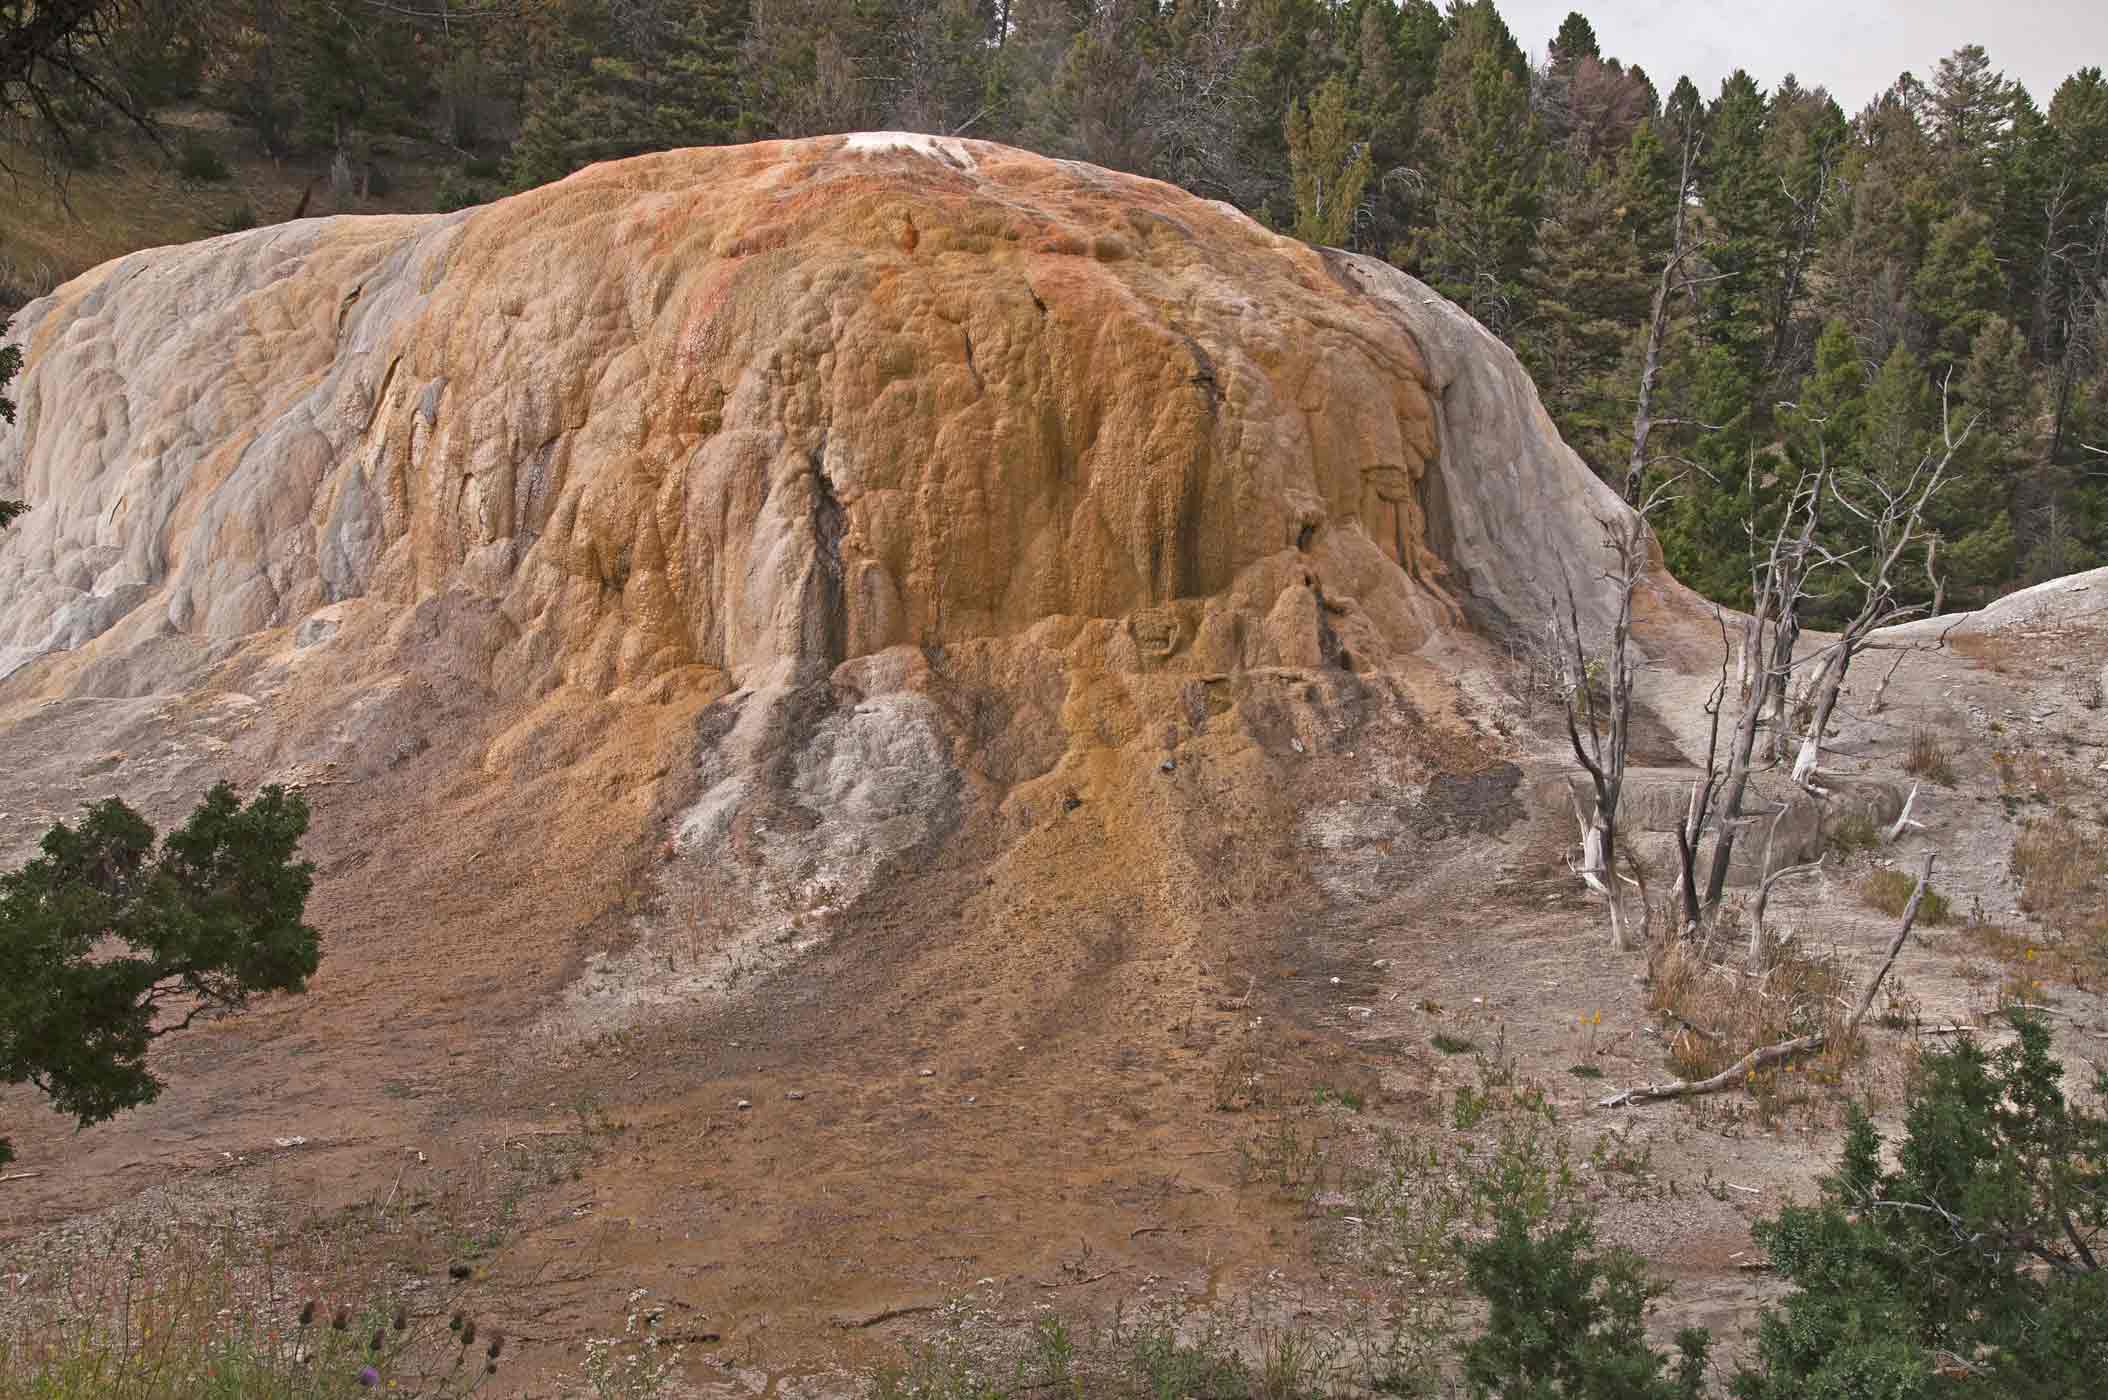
[107, 924]
[1853, 833]
[199, 162]
[458, 191]
[236, 220]
[1890, 891]
[1974, 1268]
[1565, 1319]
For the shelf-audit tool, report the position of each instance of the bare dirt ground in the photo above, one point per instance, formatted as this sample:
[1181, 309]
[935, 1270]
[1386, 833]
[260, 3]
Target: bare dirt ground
[1028, 1070]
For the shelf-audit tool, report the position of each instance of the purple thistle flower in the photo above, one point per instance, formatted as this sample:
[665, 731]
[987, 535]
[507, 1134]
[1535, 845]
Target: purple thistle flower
[369, 1377]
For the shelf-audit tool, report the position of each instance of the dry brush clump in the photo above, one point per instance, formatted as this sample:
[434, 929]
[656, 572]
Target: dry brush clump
[1715, 1012]
[1928, 758]
[2062, 868]
[188, 1309]
[2029, 775]
[176, 1298]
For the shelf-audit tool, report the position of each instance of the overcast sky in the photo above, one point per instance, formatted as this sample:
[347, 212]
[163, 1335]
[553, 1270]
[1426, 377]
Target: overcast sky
[1855, 48]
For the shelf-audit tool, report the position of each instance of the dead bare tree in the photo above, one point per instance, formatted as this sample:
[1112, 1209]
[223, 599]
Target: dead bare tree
[1602, 751]
[1770, 635]
[1705, 789]
[1894, 516]
[1785, 1049]
[1681, 248]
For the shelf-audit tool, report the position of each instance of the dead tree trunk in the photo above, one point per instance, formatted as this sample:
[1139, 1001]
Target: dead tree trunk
[1602, 752]
[1895, 518]
[1658, 321]
[1768, 642]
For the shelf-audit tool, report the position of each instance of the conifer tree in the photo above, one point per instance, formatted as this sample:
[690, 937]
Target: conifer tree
[1482, 152]
[1575, 41]
[1330, 168]
[1587, 288]
[1970, 114]
[814, 66]
[1958, 287]
[1196, 109]
[1100, 105]
[1748, 213]
[1282, 57]
[647, 78]
[949, 78]
[1804, 140]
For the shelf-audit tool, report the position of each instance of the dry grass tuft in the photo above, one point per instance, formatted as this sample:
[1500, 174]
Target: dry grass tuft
[2059, 864]
[2030, 774]
[2063, 874]
[1928, 759]
[1718, 1013]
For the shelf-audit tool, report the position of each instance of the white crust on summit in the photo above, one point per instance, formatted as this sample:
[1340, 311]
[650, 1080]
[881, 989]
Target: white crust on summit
[948, 149]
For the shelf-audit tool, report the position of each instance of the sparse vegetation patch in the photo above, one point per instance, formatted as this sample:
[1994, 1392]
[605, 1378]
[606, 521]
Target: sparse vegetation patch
[1889, 891]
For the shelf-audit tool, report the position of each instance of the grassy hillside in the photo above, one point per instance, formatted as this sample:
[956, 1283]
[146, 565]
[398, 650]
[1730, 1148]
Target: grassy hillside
[212, 180]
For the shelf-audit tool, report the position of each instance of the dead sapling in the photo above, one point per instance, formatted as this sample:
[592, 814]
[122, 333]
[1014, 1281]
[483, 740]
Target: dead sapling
[1892, 514]
[1603, 747]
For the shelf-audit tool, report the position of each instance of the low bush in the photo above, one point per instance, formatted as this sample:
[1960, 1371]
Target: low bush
[1890, 891]
[200, 162]
[1973, 1268]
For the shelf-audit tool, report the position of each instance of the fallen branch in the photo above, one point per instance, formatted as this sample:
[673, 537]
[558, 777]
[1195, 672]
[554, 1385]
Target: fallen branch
[1785, 1049]
[854, 1324]
[1080, 1282]
[19, 1176]
[1903, 822]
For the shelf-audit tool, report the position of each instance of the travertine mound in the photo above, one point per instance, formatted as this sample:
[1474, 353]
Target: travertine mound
[830, 607]
[767, 409]
[812, 508]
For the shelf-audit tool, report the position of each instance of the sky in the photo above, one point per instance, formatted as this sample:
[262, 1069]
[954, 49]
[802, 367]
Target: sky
[1855, 48]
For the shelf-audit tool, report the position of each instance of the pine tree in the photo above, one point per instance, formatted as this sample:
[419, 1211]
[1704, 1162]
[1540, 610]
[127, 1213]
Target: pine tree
[1482, 152]
[1706, 531]
[1804, 141]
[949, 77]
[1282, 56]
[1384, 105]
[1575, 41]
[814, 66]
[1330, 169]
[1197, 110]
[1100, 105]
[1958, 287]
[1748, 214]
[1994, 486]
[1879, 224]
[647, 79]
[1588, 287]
[1970, 107]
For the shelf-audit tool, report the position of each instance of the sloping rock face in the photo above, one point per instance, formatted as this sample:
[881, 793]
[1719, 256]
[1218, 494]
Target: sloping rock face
[1014, 459]
[1006, 595]
[769, 409]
